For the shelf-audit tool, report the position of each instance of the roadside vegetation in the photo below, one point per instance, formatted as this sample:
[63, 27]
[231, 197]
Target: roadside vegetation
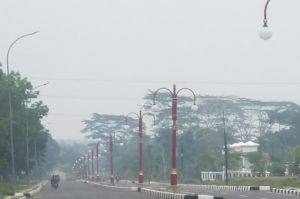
[6, 188]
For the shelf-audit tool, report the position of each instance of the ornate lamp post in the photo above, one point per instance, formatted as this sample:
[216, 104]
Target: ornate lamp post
[97, 158]
[93, 173]
[225, 151]
[111, 159]
[174, 94]
[85, 166]
[265, 32]
[76, 167]
[88, 165]
[81, 171]
[140, 117]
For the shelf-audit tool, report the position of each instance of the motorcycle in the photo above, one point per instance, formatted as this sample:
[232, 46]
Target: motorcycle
[54, 181]
[54, 185]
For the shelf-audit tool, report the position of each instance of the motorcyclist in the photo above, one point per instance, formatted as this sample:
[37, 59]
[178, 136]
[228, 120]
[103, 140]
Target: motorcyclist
[55, 180]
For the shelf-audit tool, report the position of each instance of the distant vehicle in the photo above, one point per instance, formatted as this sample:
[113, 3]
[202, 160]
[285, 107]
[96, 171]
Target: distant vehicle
[54, 181]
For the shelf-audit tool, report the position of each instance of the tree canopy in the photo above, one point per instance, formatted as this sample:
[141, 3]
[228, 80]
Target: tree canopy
[200, 135]
[27, 112]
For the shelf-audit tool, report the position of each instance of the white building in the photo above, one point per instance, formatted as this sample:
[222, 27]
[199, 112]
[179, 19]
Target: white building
[241, 148]
[244, 148]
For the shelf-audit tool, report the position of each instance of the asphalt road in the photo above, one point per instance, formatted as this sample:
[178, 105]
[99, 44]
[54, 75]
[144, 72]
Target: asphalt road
[79, 190]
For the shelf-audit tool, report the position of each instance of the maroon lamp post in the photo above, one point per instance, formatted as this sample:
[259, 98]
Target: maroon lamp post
[98, 165]
[88, 165]
[80, 165]
[93, 173]
[111, 159]
[85, 166]
[140, 118]
[80, 168]
[174, 118]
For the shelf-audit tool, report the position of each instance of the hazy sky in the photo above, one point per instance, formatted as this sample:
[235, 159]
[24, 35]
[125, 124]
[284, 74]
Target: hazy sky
[103, 55]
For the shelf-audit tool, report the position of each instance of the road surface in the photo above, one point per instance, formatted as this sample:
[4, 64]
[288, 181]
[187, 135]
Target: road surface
[79, 190]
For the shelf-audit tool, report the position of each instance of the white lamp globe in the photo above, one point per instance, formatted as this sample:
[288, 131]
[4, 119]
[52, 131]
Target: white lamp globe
[265, 33]
[155, 108]
[194, 107]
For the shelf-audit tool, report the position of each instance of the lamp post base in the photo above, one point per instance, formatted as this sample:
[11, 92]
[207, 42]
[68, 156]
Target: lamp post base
[174, 177]
[173, 189]
[141, 178]
[112, 180]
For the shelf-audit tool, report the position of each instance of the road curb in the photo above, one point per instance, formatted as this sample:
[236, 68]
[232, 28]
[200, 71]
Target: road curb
[163, 194]
[196, 188]
[286, 191]
[36, 189]
[156, 193]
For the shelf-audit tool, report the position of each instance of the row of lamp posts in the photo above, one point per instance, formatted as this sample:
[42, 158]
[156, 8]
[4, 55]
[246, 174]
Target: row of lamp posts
[173, 177]
[83, 164]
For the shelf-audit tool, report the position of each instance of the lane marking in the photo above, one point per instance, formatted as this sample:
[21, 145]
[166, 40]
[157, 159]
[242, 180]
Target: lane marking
[244, 196]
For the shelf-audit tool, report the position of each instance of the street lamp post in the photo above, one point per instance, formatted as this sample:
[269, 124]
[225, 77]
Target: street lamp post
[85, 166]
[174, 94]
[75, 168]
[82, 167]
[225, 150]
[93, 164]
[98, 164]
[10, 110]
[265, 32]
[140, 118]
[181, 162]
[88, 165]
[27, 133]
[111, 159]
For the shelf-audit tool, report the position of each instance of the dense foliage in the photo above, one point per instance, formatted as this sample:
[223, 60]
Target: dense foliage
[27, 113]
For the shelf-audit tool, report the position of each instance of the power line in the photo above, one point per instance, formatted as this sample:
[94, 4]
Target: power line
[91, 98]
[69, 115]
[168, 81]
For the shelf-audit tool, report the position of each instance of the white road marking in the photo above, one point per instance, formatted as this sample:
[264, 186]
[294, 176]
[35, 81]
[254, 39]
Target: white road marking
[244, 196]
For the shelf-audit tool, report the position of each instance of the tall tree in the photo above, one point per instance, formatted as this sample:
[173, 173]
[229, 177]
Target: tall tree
[23, 109]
